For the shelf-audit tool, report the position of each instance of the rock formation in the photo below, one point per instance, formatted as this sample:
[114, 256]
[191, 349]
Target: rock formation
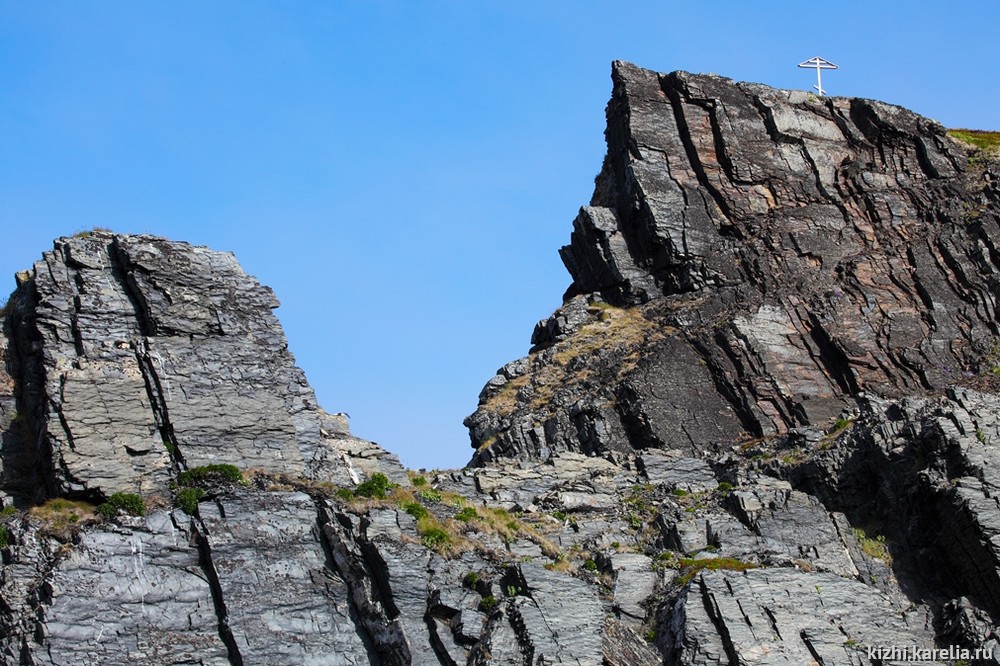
[760, 429]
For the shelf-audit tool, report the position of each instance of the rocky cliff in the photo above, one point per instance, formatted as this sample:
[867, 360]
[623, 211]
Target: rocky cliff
[760, 429]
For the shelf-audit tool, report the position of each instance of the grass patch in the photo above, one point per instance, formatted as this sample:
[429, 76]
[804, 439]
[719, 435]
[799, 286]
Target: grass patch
[610, 340]
[415, 509]
[127, 503]
[4, 537]
[429, 495]
[691, 567]
[61, 518]
[210, 474]
[981, 139]
[467, 514]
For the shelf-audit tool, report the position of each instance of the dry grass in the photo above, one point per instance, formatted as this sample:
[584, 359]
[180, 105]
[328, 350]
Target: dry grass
[614, 331]
[62, 518]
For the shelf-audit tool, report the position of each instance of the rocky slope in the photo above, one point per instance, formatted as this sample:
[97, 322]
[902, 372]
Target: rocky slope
[760, 429]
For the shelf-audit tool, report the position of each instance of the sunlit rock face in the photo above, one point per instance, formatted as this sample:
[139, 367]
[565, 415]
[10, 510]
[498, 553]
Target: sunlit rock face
[760, 429]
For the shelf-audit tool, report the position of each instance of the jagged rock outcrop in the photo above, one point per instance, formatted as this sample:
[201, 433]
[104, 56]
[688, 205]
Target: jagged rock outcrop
[780, 253]
[792, 298]
[759, 430]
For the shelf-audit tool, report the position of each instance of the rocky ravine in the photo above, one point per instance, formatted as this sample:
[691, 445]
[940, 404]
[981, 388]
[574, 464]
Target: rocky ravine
[760, 430]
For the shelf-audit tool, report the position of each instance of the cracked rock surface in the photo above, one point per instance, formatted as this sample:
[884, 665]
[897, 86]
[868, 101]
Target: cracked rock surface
[761, 429]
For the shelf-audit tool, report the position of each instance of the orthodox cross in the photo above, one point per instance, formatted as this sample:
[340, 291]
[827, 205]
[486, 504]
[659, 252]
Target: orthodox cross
[820, 64]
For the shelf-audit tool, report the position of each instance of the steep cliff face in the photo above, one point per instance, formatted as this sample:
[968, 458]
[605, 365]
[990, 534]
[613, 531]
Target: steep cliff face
[751, 260]
[760, 429]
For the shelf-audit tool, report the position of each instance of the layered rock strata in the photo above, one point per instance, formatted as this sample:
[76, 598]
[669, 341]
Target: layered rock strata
[751, 259]
[760, 430]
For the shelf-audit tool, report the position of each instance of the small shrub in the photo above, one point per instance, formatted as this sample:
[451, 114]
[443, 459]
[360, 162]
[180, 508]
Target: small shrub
[470, 579]
[4, 537]
[873, 546]
[8, 510]
[345, 494]
[559, 515]
[680, 492]
[429, 495]
[415, 509]
[170, 447]
[188, 498]
[467, 514]
[377, 487]
[206, 474]
[590, 565]
[725, 487]
[840, 424]
[418, 481]
[488, 604]
[128, 503]
[434, 538]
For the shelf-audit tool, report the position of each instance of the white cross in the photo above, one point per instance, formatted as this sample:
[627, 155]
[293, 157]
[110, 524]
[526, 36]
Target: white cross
[820, 64]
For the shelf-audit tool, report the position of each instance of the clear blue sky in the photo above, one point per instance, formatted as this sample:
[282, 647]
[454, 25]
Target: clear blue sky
[402, 173]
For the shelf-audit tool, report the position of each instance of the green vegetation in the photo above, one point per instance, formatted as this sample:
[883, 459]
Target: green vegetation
[207, 474]
[377, 487]
[415, 509]
[86, 233]
[470, 579]
[590, 565]
[128, 503]
[467, 514]
[8, 510]
[170, 447]
[691, 567]
[187, 499]
[724, 487]
[981, 139]
[418, 481]
[488, 603]
[345, 494]
[429, 495]
[4, 537]
[872, 546]
[434, 538]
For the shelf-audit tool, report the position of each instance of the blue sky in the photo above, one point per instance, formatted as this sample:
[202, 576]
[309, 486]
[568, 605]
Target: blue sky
[401, 173]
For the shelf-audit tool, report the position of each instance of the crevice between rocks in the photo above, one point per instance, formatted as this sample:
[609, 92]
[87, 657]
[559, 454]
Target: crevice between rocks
[212, 576]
